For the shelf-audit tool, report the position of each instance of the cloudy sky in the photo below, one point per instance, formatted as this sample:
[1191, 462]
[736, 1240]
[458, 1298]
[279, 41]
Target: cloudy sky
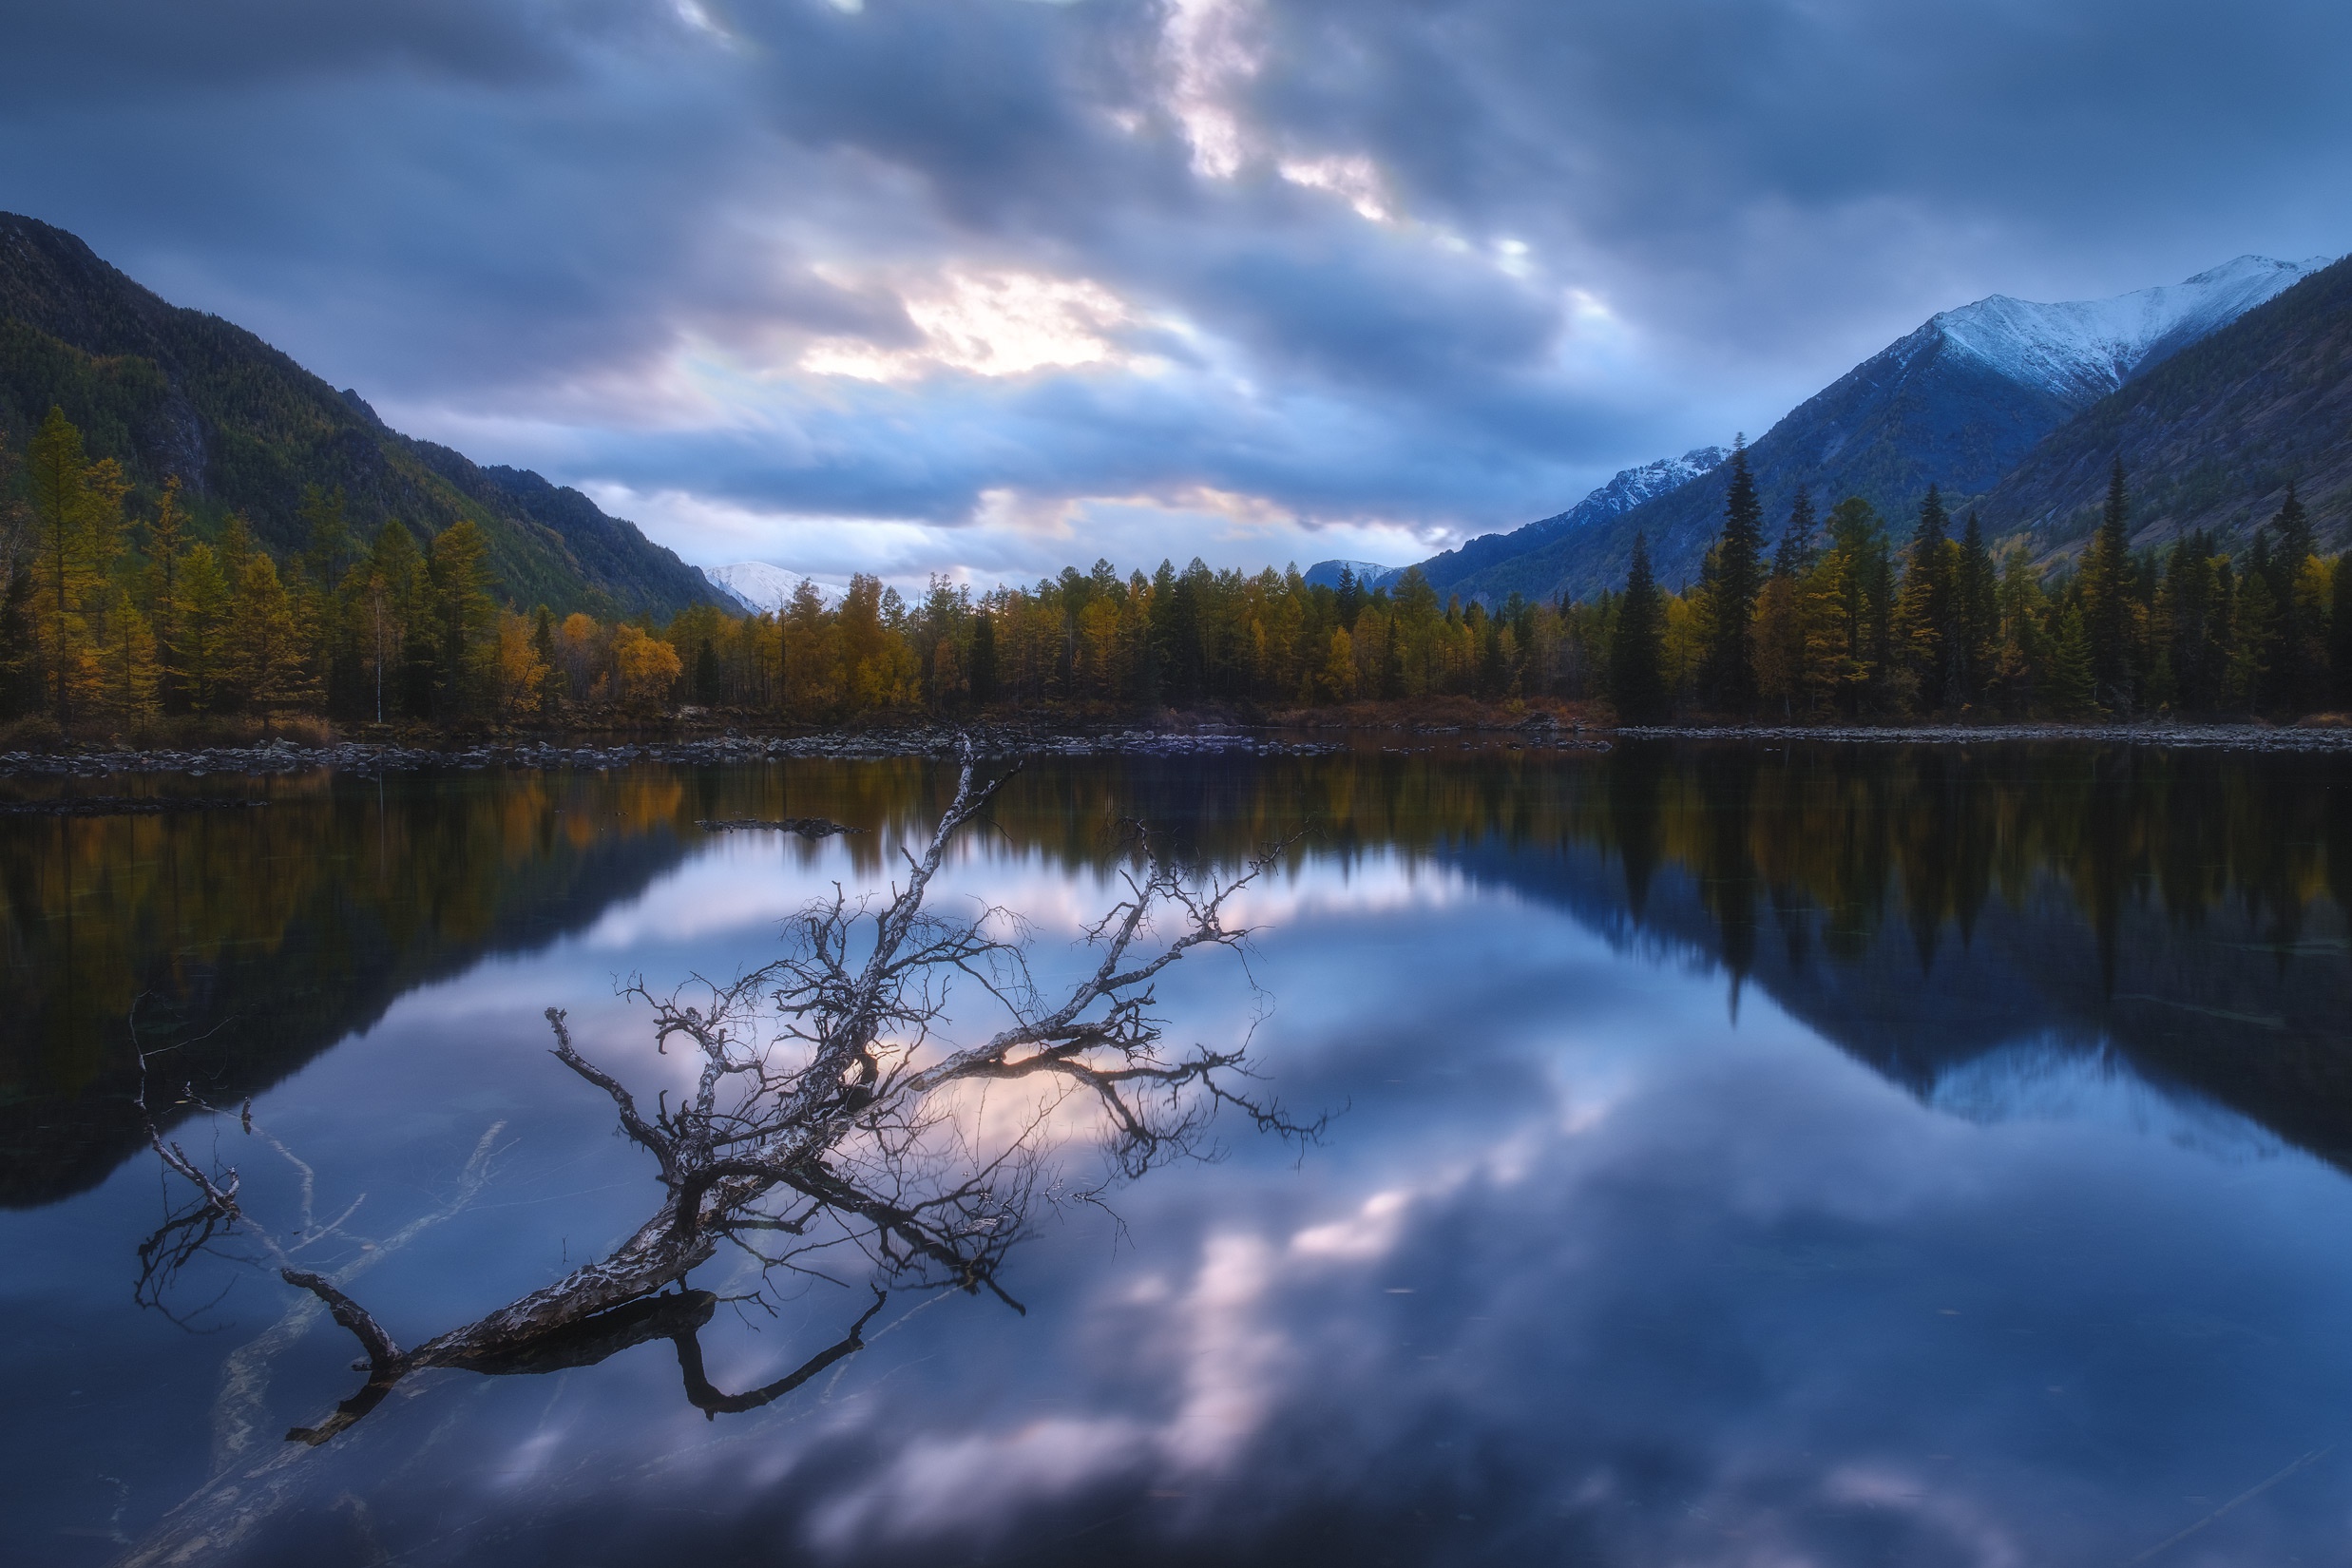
[994, 285]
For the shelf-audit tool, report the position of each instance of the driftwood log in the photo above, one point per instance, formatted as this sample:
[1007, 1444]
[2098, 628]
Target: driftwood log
[830, 1116]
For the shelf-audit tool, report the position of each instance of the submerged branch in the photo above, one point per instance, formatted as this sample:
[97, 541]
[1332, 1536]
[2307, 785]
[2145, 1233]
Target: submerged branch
[827, 1114]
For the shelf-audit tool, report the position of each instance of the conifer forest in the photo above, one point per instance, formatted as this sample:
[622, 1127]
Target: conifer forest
[122, 610]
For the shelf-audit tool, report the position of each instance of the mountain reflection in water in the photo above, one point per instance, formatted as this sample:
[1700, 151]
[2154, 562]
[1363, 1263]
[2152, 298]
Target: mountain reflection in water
[1607, 1261]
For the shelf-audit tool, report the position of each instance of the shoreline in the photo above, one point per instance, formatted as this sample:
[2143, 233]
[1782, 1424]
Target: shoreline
[371, 759]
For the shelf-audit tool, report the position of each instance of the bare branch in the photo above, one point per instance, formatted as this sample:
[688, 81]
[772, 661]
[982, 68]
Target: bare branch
[831, 1116]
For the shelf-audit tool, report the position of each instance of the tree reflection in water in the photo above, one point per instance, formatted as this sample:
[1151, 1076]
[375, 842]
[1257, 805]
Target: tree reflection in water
[833, 1117]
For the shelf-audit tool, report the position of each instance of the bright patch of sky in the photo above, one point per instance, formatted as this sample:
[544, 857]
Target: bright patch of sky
[990, 287]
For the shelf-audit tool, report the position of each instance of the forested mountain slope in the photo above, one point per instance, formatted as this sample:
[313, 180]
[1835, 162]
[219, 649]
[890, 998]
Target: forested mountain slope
[1958, 403]
[2211, 437]
[174, 391]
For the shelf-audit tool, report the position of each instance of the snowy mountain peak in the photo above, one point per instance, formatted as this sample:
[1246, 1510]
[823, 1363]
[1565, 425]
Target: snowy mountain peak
[1368, 574]
[2081, 350]
[1632, 486]
[757, 585]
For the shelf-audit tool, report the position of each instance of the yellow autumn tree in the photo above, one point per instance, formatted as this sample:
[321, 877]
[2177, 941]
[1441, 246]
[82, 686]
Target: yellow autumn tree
[77, 507]
[647, 668]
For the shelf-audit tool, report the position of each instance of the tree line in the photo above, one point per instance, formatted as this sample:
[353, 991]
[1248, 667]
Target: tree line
[1837, 619]
[118, 612]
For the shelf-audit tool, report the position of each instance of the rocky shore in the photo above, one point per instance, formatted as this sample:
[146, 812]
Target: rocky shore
[369, 758]
[2230, 737]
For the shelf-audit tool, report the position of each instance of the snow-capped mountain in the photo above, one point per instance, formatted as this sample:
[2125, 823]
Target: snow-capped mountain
[2084, 349]
[756, 586]
[1626, 489]
[1958, 403]
[1368, 574]
[1632, 486]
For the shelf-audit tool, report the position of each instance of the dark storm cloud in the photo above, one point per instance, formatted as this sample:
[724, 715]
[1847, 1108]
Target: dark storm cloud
[1444, 264]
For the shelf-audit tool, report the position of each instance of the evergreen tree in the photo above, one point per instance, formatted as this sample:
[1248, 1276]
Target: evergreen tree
[981, 678]
[2072, 683]
[2298, 677]
[1729, 674]
[327, 548]
[1795, 556]
[2254, 630]
[1924, 610]
[2340, 640]
[1975, 618]
[543, 649]
[706, 674]
[167, 542]
[2106, 600]
[2292, 525]
[468, 615]
[1637, 649]
[19, 675]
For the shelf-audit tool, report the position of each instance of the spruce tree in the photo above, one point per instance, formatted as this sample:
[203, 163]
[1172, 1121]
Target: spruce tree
[1729, 672]
[543, 653]
[1795, 556]
[1637, 647]
[2297, 682]
[1924, 609]
[2106, 598]
[1976, 617]
[982, 676]
[2070, 686]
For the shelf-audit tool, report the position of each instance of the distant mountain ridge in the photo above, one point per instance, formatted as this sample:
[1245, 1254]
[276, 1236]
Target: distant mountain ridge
[172, 392]
[758, 586]
[1626, 489]
[1959, 402]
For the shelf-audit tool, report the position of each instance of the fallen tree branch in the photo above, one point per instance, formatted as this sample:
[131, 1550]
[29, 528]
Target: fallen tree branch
[830, 1113]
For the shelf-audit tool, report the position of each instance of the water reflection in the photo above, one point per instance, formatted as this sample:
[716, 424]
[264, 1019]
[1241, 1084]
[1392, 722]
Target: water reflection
[2027, 1268]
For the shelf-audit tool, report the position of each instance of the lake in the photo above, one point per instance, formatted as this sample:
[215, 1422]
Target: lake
[1737, 1155]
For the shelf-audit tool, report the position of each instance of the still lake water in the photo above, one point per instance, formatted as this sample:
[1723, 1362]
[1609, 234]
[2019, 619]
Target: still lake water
[1744, 1156]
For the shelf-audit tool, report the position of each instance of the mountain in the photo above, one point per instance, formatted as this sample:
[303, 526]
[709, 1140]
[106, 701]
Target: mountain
[756, 586]
[174, 391]
[2211, 437]
[1958, 403]
[1450, 570]
[1368, 574]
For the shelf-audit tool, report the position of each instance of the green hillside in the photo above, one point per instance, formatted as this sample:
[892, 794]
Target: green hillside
[173, 392]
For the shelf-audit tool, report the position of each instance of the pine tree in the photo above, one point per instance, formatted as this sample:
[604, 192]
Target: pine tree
[1637, 648]
[2106, 598]
[543, 649]
[1923, 608]
[468, 615]
[2254, 630]
[1729, 674]
[2299, 679]
[982, 676]
[1975, 618]
[1795, 556]
[2072, 683]
[327, 551]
